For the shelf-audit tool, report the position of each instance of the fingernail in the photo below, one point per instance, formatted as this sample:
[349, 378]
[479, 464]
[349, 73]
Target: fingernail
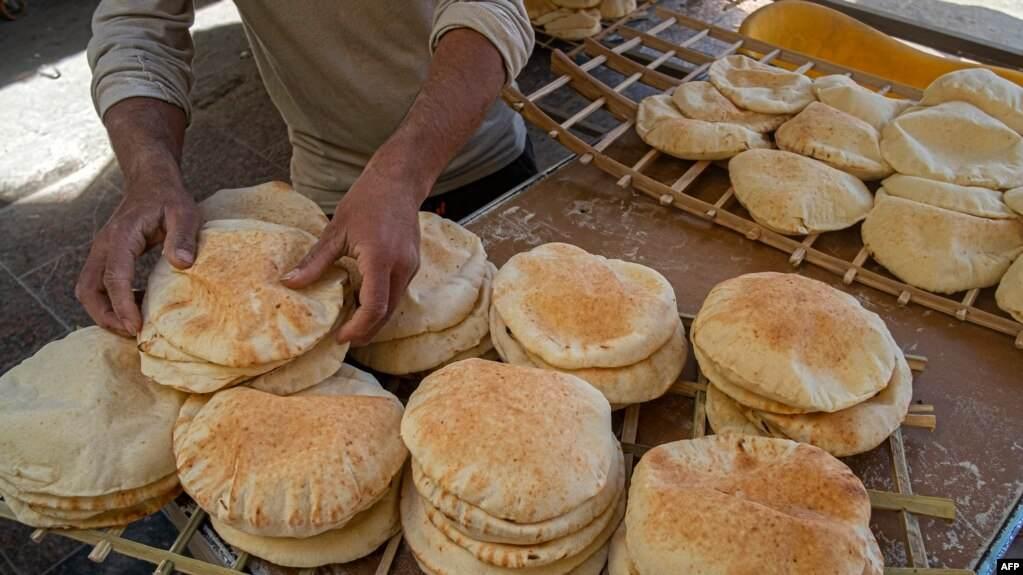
[184, 255]
[290, 275]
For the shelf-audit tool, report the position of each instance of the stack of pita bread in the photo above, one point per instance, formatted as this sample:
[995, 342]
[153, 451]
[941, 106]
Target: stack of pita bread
[443, 315]
[228, 318]
[514, 470]
[720, 504]
[787, 356]
[612, 323]
[305, 480]
[568, 19]
[86, 438]
[943, 223]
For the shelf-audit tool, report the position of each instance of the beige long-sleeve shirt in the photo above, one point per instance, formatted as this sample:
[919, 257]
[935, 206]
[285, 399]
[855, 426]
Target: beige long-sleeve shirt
[342, 73]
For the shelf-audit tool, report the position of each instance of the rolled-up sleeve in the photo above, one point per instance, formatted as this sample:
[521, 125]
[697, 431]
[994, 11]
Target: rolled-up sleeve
[503, 22]
[141, 48]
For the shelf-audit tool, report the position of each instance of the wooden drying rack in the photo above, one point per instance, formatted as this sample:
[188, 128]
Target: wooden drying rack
[613, 99]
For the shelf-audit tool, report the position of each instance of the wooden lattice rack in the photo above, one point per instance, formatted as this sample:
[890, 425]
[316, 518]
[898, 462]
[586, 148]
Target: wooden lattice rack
[675, 42]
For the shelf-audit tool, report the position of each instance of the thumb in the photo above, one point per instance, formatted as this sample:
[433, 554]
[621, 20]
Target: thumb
[179, 245]
[320, 257]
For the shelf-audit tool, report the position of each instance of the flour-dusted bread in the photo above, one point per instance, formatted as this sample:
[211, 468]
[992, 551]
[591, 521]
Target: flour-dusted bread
[972, 200]
[836, 138]
[726, 415]
[230, 307]
[1009, 294]
[737, 388]
[577, 310]
[843, 93]
[1014, 199]
[940, 250]
[570, 24]
[618, 560]
[660, 124]
[702, 101]
[795, 340]
[292, 466]
[792, 194]
[274, 202]
[998, 97]
[955, 142]
[309, 369]
[615, 9]
[790, 505]
[759, 87]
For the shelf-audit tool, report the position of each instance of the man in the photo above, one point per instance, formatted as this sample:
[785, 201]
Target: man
[387, 103]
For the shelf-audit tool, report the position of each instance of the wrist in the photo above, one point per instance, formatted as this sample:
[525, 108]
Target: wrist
[395, 162]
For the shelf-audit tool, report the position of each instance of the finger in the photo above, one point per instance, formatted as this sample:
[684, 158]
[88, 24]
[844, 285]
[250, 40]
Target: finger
[322, 255]
[90, 293]
[179, 245]
[117, 278]
[374, 298]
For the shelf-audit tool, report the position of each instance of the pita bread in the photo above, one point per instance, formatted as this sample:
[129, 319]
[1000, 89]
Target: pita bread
[760, 87]
[570, 24]
[792, 194]
[1014, 199]
[66, 406]
[636, 383]
[274, 202]
[722, 378]
[426, 351]
[840, 140]
[955, 142]
[702, 101]
[577, 310]
[350, 380]
[361, 536]
[1009, 294]
[230, 308]
[110, 518]
[95, 504]
[618, 560]
[438, 555]
[475, 426]
[940, 250]
[199, 377]
[323, 460]
[795, 340]
[319, 363]
[452, 265]
[796, 507]
[845, 94]
[972, 200]
[725, 415]
[538, 8]
[476, 524]
[996, 96]
[857, 429]
[615, 9]
[662, 126]
[530, 555]
[577, 4]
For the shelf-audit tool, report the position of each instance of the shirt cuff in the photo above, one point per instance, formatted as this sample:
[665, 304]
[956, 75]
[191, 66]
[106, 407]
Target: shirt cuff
[508, 31]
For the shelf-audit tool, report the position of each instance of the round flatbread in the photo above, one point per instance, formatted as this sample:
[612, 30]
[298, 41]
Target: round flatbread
[96, 504]
[58, 519]
[199, 377]
[722, 378]
[576, 310]
[273, 202]
[840, 140]
[615, 9]
[940, 250]
[792, 194]
[1014, 199]
[570, 24]
[230, 308]
[78, 419]
[1009, 294]
[795, 340]
[795, 506]
[702, 101]
[955, 142]
[726, 416]
[760, 87]
[452, 266]
[845, 94]
[981, 87]
[618, 560]
[522, 444]
[319, 363]
[972, 200]
[660, 124]
[359, 537]
[287, 466]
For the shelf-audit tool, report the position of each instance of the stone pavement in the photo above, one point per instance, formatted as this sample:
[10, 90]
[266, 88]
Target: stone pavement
[59, 183]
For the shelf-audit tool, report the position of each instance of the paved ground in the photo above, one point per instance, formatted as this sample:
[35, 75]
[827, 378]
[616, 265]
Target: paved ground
[59, 182]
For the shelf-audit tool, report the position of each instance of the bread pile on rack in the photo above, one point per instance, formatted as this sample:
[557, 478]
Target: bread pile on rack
[302, 481]
[513, 470]
[85, 438]
[612, 323]
[576, 19]
[443, 315]
[788, 356]
[228, 318]
[716, 504]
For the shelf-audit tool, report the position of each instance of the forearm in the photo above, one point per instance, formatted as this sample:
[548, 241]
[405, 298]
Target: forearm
[147, 136]
[465, 78]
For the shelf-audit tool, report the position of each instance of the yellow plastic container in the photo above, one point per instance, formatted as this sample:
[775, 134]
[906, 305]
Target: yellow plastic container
[820, 32]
